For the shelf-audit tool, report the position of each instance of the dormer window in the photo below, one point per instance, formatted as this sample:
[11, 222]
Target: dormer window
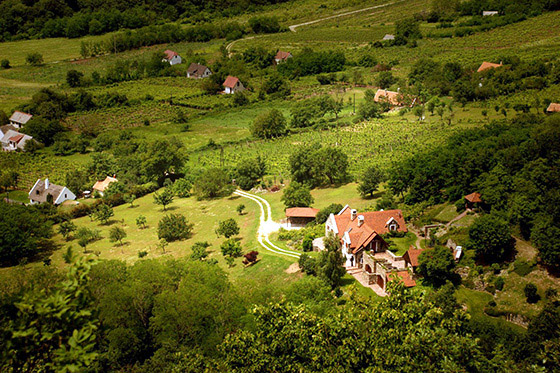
[393, 226]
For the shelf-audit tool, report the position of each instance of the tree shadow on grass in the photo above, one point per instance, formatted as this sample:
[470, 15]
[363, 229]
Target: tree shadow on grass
[346, 281]
[233, 197]
[171, 208]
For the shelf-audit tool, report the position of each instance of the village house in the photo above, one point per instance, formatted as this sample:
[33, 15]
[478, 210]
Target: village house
[13, 140]
[282, 57]
[364, 249]
[472, 200]
[172, 57]
[198, 71]
[5, 128]
[19, 119]
[553, 108]
[233, 85]
[44, 188]
[383, 95]
[299, 217]
[488, 65]
[101, 186]
[389, 37]
[411, 258]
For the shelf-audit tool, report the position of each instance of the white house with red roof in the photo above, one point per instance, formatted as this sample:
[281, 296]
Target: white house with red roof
[364, 248]
[232, 85]
[172, 57]
[282, 57]
[19, 119]
[14, 140]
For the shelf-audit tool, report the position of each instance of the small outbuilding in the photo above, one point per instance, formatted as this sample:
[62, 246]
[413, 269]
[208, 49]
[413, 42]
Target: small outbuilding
[44, 188]
[232, 85]
[389, 37]
[19, 119]
[488, 65]
[488, 13]
[383, 95]
[472, 200]
[101, 186]
[298, 217]
[198, 71]
[282, 57]
[553, 108]
[172, 57]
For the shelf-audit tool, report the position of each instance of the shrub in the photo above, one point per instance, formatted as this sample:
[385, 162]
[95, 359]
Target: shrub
[269, 125]
[530, 291]
[499, 283]
[34, 59]
[174, 227]
[297, 195]
[307, 243]
[182, 188]
[142, 253]
[228, 228]
[5, 64]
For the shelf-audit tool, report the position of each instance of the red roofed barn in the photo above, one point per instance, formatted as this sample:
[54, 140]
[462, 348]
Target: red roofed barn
[233, 85]
[300, 216]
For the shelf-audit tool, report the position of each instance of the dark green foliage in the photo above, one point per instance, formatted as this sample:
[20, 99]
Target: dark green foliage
[315, 166]
[369, 110]
[174, 227]
[103, 213]
[66, 228]
[436, 265]
[531, 294]
[297, 195]
[491, 238]
[308, 264]
[199, 250]
[307, 243]
[164, 198]
[264, 25]
[329, 263]
[406, 30]
[25, 232]
[276, 85]
[385, 79]
[43, 130]
[213, 183]
[231, 249]
[269, 125]
[182, 188]
[117, 234]
[309, 62]
[5, 64]
[74, 78]
[34, 59]
[370, 181]
[499, 283]
[228, 228]
[249, 172]
[323, 214]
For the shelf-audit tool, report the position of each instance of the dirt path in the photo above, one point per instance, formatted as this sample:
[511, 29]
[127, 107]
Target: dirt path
[267, 226]
[293, 27]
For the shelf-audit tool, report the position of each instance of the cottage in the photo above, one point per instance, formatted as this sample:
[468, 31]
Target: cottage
[19, 119]
[44, 188]
[411, 257]
[233, 85]
[382, 95]
[362, 245]
[101, 186]
[172, 57]
[488, 13]
[553, 108]
[282, 57]
[389, 37]
[14, 140]
[8, 127]
[198, 71]
[472, 200]
[488, 65]
[298, 217]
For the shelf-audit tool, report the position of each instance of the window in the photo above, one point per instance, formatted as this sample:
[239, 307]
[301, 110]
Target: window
[393, 227]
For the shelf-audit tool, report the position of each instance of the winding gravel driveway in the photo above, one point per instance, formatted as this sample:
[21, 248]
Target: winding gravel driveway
[267, 226]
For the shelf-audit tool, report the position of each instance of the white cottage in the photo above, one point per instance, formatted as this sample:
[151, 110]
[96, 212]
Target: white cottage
[172, 57]
[43, 188]
[19, 119]
[233, 85]
[14, 140]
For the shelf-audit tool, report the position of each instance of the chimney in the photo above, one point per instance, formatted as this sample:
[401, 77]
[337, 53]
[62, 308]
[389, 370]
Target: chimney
[360, 220]
[47, 184]
[353, 214]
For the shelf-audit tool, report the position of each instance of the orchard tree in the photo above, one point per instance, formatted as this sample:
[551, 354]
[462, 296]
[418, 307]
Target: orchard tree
[66, 228]
[227, 228]
[231, 249]
[141, 222]
[269, 125]
[297, 195]
[174, 227]
[240, 209]
[103, 213]
[164, 198]
[370, 181]
[130, 198]
[182, 188]
[199, 251]
[117, 234]
[213, 183]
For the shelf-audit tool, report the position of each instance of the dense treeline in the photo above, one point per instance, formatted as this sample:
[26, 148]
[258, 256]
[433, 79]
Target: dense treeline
[22, 19]
[513, 164]
[186, 316]
[447, 10]
[310, 62]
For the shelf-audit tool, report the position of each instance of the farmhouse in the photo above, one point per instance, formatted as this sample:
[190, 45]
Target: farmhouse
[101, 186]
[282, 57]
[382, 95]
[172, 57]
[5, 128]
[298, 217]
[364, 249]
[389, 37]
[488, 65]
[44, 188]
[198, 71]
[233, 85]
[553, 108]
[19, 119]
[13, 140]
[472, 200]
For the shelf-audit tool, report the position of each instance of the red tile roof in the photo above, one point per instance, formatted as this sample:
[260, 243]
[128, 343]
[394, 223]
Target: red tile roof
[301, 212]
[169, 54]
[404, 276]
[411, 256]
[488, 65]
[473, 197]
[230, 82]
[16, 138]
[282, 55]
[553, 108]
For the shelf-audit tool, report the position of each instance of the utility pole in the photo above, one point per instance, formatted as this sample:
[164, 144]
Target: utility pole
[354, 111]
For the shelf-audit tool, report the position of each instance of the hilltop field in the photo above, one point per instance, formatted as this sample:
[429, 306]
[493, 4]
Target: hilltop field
[308, 131]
